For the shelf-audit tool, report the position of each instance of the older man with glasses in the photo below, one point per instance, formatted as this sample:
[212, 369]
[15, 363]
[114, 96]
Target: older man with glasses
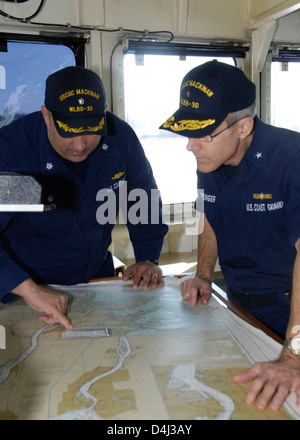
[248, 174]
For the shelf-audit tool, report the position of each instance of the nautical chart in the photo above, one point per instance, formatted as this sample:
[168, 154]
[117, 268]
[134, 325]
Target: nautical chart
[131, 355]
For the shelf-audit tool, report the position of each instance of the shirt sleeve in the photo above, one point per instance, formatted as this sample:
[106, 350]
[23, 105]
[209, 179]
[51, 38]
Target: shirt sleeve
[11, 160]
[11, 274]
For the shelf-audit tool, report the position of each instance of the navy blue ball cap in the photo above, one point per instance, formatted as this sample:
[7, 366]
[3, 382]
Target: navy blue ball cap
[77, 100]
[208, 93]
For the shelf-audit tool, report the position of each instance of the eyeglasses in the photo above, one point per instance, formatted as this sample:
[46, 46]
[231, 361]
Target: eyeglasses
[210, 137]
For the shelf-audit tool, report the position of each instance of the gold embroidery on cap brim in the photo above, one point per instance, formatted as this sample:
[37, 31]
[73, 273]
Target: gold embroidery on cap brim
[189, 124]
[66, 128]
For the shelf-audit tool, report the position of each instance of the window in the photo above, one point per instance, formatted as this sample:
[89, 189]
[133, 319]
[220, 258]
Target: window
[285, 94]
[24, 67]
[152, 84]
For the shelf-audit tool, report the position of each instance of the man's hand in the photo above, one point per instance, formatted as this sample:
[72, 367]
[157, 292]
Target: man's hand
[273, 381]
[53, 305]
[196, 288]
[145, 273]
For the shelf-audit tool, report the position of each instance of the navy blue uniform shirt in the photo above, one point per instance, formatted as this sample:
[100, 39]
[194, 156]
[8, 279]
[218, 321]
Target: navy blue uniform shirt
[65, 244]
[254, 210]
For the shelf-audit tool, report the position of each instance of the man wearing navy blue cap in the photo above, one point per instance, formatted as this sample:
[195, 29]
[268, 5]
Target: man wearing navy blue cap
[249, 183]
[82, 155]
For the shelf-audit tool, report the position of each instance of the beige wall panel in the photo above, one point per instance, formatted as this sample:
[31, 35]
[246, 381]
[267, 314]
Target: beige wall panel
[91, 12]
[141, 14]
[75, 12]
[289, 28]
[220, 18]
[55, 11]
[272, 9]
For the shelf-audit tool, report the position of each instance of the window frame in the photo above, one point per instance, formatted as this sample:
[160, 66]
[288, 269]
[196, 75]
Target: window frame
[278, 52]
[184, 212]
[75, 43]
